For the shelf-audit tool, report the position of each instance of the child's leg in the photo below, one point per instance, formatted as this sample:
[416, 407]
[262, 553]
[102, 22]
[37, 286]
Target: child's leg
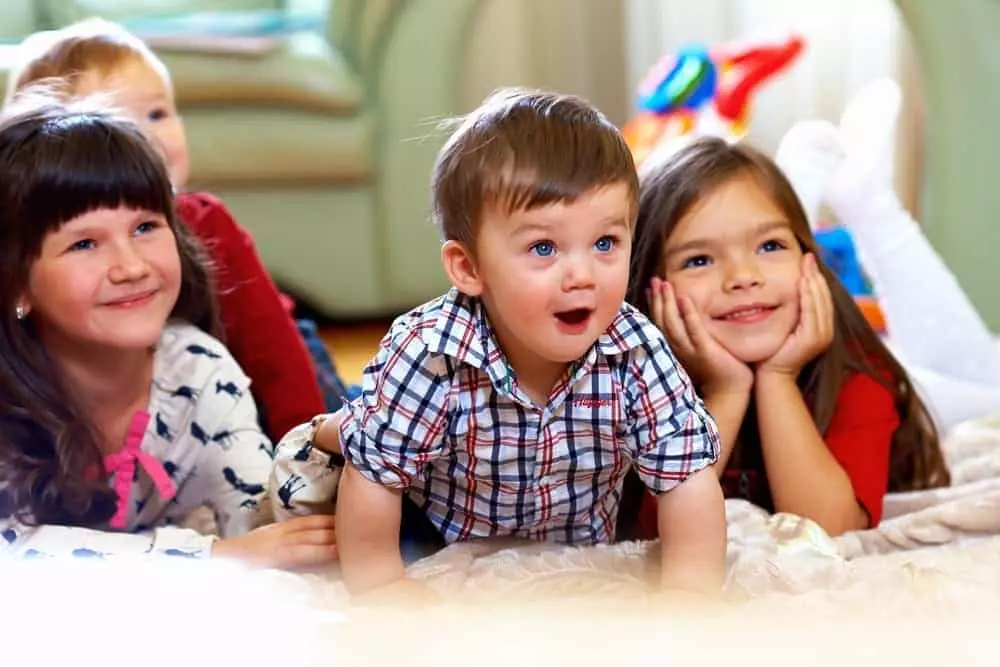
[951, 400]
[334, 391]
[809, 154]
[930, 320]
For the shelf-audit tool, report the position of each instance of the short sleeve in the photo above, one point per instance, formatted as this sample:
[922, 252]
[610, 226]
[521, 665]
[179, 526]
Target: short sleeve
[860, 439]
[396, 427]
[673, 434]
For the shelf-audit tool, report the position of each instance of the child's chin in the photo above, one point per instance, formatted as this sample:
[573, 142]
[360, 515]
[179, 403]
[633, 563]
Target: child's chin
[751, 354]
[138, 340]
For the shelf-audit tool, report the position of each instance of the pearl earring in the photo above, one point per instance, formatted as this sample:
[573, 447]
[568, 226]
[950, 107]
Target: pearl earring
[19, 311]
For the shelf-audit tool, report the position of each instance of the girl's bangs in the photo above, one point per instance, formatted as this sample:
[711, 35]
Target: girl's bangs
[85, 168]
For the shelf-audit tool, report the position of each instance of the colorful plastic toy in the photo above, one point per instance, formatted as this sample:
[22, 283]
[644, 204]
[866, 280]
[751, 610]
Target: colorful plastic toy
[703, 90]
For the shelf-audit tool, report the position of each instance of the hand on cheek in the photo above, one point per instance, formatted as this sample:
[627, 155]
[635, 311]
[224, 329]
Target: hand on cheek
[711, 366]
[814, 330]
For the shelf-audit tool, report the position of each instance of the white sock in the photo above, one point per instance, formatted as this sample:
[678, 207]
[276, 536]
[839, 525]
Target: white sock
[809, 154]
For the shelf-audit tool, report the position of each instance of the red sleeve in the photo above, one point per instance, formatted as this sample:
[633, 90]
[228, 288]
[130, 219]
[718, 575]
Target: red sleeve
[258, 326]
[860, 438]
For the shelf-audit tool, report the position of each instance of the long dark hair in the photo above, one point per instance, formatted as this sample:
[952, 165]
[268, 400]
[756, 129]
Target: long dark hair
[58, 162]
[670, 185]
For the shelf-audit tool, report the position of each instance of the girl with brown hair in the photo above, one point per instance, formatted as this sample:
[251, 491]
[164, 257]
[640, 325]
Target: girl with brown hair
[120, 412]
[817, 418]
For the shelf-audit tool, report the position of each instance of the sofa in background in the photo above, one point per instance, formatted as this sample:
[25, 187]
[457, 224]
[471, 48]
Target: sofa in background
[323, 146]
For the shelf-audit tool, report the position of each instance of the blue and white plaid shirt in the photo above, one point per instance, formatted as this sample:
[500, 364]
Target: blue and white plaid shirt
[442, 416]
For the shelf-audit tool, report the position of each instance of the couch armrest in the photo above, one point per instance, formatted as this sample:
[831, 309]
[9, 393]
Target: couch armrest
[419, 83]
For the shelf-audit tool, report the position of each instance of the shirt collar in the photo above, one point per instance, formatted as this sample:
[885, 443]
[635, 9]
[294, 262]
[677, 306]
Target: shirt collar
[462, 331]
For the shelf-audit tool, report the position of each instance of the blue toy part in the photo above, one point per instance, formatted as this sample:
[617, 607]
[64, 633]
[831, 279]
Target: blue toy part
[836, 248]
[690, 83]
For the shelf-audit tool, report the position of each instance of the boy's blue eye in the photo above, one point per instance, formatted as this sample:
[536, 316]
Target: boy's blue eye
[157, 114]
[772, 245]
[606, 244]
[696, 262]
[543, 248]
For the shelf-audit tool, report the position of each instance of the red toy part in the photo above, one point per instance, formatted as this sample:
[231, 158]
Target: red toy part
[754, 65]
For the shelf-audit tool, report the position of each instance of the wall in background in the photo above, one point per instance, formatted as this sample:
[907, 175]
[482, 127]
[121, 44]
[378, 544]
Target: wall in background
[574, 46]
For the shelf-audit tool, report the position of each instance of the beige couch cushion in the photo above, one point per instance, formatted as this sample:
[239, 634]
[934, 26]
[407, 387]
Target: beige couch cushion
[249, 146]
[304, 72]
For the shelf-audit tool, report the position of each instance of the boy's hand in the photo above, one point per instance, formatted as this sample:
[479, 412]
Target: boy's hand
[692, 521]
[814, 331]
[302, 542]
[713, 368]
[327, 435]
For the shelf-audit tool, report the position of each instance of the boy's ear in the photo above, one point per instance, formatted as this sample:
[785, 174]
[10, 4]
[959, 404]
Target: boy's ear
[460, 266]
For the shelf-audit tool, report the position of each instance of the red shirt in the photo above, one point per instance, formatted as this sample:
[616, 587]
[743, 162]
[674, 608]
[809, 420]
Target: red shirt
[256, 318]
[859, 437]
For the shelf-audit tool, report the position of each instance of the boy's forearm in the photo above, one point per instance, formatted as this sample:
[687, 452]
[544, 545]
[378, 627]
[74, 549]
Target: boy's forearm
[368, 518]
[728, 408]
[692, 522]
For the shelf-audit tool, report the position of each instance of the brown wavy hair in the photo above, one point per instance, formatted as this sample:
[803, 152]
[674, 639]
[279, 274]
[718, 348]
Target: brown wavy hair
[58, 162]
[522, 149]
[670, 185]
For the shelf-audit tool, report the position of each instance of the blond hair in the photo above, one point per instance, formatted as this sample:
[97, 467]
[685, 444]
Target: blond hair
[63, 57]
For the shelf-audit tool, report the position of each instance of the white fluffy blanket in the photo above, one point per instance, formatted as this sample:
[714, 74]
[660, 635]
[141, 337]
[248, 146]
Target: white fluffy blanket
[922, 587]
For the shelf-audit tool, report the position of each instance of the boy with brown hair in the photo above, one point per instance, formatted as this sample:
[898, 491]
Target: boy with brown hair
[99, 57]
[515, 403]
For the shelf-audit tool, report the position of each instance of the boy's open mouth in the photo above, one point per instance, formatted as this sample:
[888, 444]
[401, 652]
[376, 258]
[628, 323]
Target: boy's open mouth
[574, 317]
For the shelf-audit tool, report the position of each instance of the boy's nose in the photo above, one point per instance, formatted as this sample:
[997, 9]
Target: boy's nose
[579, 274]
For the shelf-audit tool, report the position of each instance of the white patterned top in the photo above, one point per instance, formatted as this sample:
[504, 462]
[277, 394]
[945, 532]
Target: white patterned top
[199, 443]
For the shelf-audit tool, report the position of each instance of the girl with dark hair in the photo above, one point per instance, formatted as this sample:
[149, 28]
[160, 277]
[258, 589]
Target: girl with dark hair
[120, 412]
[817, 417]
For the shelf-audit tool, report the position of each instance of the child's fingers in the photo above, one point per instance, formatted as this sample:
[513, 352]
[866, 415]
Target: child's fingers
[316, 538]
[655, 298]
[824, 305]
[694, 326]
[807, 309]
[296, 556]
[676, 330]
[309, 523]
[820, 301]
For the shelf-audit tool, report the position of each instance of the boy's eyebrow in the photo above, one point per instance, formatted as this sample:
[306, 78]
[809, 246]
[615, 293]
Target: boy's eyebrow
[698, 243]
[546, 227]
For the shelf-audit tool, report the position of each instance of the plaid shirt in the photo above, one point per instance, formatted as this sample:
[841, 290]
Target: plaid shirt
[442, 416]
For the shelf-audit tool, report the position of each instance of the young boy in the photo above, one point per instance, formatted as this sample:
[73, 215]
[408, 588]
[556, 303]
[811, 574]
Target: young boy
[515, 403]
[96, 56]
